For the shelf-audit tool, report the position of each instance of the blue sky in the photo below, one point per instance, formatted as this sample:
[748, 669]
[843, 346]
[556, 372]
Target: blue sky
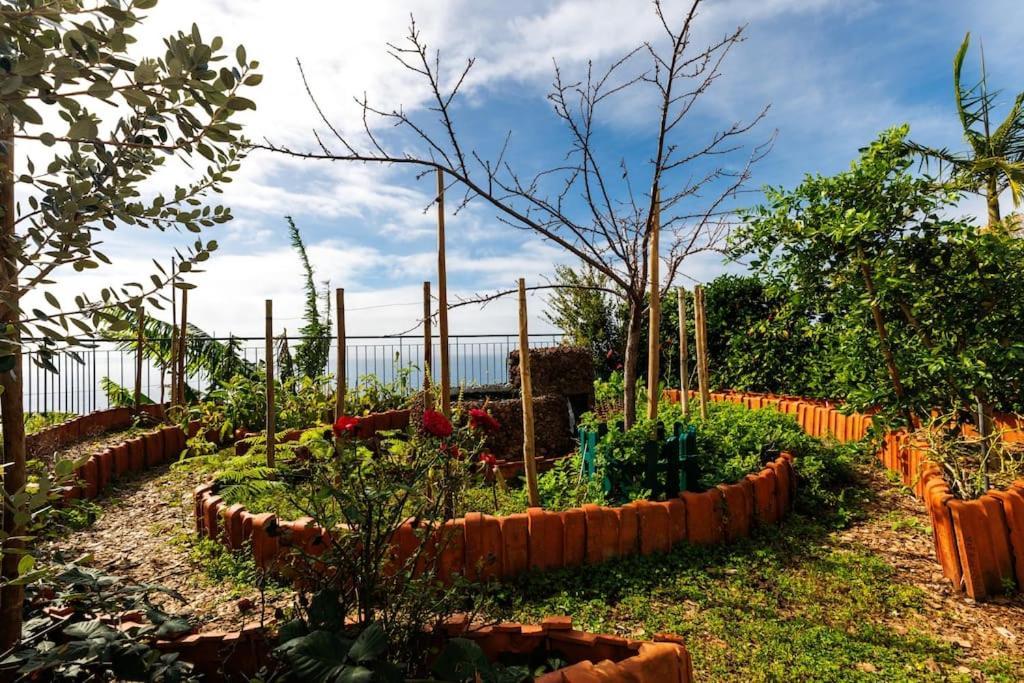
[834, 72]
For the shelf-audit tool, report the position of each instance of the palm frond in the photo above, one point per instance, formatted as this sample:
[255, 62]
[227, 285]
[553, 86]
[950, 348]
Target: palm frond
[121, 396]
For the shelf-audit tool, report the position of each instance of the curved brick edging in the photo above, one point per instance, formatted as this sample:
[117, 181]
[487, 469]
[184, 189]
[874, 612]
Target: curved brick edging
[979, 543]
[481, 546]
[132, 455]
[591, 657]
[77, 429]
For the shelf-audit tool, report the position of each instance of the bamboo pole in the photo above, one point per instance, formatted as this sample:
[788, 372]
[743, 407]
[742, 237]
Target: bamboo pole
[140, 343]
[702, 349]
[173, 360]
[428, 351]
[342, 386]
[442, 301]
[271, 416]
[182, 339]
[526, 385]
[654, 320]
[684, 354]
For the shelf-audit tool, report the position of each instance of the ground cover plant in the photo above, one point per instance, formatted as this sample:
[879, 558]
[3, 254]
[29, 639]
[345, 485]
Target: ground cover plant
[793, 602]
[731, 442]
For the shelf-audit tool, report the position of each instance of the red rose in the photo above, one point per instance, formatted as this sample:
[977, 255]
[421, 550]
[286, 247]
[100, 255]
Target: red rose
[489, 461]
[451, 450]
[436, 424]
[346, 425]
[481, 419]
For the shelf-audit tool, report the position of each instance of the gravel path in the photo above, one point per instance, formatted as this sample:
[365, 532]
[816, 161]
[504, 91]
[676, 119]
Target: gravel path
[898, 530]
[145, 532]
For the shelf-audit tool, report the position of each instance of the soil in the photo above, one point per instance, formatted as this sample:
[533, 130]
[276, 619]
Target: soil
[144, 532]
[897, 529]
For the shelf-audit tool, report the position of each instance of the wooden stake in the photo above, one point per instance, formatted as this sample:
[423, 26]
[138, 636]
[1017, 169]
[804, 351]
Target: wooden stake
[702, 349]
[173, 361]
[140, 343]
[526, 384]
[442, 301]
[182, 339]
[654, 321]
[342, 386]
[271, 415]
[428, 351]
[684, 354]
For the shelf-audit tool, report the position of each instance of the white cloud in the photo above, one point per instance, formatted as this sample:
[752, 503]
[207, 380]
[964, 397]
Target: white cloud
[365, 225]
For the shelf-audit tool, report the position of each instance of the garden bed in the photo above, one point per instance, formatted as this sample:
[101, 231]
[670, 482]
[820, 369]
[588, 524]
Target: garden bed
[979, 543]
[587, 656]
[486, 546]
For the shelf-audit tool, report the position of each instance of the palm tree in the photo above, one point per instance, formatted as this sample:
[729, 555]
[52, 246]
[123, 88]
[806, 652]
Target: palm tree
[995, 160]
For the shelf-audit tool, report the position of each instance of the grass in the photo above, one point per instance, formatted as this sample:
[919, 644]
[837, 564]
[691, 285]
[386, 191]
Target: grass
[785, 605]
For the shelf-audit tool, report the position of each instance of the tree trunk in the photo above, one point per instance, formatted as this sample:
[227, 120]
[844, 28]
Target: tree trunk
[631, 362]
[11, 596]
[992, 199]
[883, 337]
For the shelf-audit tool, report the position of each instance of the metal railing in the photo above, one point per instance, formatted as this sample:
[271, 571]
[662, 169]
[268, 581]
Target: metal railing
[76, 386]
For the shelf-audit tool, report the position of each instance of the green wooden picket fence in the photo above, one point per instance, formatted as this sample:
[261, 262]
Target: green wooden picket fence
[670, 463]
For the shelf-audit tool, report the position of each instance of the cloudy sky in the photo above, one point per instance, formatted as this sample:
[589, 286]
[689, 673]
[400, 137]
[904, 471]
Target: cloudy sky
[835, 73]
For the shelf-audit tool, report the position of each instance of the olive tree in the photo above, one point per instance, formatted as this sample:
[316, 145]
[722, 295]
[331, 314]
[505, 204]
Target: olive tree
[86, 126]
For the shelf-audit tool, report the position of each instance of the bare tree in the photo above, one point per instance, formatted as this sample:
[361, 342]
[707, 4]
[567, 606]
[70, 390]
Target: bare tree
[586, 203]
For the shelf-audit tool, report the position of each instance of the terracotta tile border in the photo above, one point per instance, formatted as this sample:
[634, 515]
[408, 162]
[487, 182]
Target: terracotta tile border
[77, 429]
[590, 657]
[979, 543]
[480, 546]
[136, 454]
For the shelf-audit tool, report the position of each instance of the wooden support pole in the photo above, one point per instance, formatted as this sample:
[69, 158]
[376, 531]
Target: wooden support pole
[442, 301]
[684, 354]
[428, 350]
[526, 385]
[702, 349]
[172, 362]
[271, 413]
[342, 386]
[182, 339]
[654, 320]
[140, 345]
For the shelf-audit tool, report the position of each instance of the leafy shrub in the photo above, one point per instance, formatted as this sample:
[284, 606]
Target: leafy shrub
[373, 395]
[562, 487]
[37, 421]
[91, 644]
[732, 442]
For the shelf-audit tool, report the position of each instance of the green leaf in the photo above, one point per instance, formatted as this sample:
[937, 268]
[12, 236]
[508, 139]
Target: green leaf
[101, 89]
[83, 129]
[26, 564]
[371, 644]
[318, 656]
[462, 660]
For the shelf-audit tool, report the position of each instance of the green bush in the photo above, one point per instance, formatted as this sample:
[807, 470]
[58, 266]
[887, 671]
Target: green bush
[735, 441]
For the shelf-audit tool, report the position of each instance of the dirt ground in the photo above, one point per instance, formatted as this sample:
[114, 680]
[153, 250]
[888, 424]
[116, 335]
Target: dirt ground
[143, 533]
[897, 529]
